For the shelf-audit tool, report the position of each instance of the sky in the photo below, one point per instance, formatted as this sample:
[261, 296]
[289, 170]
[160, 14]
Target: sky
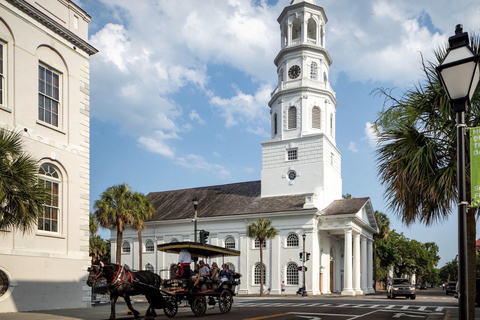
[180, 89]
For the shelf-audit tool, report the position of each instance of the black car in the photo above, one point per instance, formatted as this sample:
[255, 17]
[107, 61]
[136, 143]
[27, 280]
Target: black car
[451, 288]
[423, 287]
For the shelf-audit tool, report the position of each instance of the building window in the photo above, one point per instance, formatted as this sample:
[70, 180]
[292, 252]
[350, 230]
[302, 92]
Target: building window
[230, 243]
[75, 22]
[149, 246]
[49, 177]
[312, 29]
[325, 78]
[48, 96]
[313, 71]
[275, 124]
[292, 154]
[315, 117]
[149, 267]
[296, 29]
[292, 118]
[231, 267]
[292, 273]
[126, 247]
[292, 240]
[4, 283]
[2, 76]
[173, 240]
[257, 273]
[257, 243]
[331, 124]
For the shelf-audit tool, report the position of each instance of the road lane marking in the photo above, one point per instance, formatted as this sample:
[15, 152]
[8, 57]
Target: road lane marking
[269, 316]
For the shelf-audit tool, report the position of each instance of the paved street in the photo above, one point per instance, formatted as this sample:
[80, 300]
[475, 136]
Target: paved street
[431, 304]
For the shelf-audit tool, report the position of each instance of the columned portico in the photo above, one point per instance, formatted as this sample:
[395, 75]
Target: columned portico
[364, 265]
[348, 289]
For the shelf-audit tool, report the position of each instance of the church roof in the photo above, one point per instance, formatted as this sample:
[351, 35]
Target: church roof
[345, 206]
[221, 200]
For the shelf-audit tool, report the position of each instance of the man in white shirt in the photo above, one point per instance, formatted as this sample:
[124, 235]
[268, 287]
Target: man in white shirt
[184, 260]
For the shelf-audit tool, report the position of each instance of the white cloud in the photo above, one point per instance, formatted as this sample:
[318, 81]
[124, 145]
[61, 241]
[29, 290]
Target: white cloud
[352, 147]
[370, 135]
[194, 116]
[196, 162]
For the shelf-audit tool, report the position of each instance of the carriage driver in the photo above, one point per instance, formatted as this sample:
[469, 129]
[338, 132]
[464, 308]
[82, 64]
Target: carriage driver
[203, 273]
[184, 260]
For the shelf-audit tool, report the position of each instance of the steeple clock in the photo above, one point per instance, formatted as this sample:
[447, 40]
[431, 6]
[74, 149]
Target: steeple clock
[302, 157]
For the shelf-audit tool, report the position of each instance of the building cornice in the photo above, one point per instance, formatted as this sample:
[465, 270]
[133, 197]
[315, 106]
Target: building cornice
[302, 5]
[53, 25]
[302, 90]
[301, 48]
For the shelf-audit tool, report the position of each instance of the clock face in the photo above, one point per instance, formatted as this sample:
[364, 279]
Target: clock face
[294, 72]
[292, 175]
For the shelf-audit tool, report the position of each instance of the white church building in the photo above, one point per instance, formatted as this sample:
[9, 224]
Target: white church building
[300, 189]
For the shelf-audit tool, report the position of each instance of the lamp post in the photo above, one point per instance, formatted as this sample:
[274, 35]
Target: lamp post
[304, 292]
[459, 74]
[195, 205]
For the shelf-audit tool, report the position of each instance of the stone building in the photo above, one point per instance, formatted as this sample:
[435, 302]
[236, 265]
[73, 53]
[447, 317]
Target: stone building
[300, 189]
[44, 93]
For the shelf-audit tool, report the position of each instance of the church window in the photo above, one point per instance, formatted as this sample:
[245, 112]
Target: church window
[292, 240]
[312, 29]
[149, 246]
[316, 117]
[296, 29]
[292, 273]
[292, 118]
[126, 247]
[51, 180]
[313, 71]
[257, 273]
[48, 95]
[230, 242]
[292, 154]
[149, 267]
[325, 78]
[275, 124]
[257, 243]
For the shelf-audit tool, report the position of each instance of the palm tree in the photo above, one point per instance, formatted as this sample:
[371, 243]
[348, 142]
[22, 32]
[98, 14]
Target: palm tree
[92, 225]
[116, 209]
[22, 195]
[143, 212]
[383, 224]
[261, 230]
[417, 155]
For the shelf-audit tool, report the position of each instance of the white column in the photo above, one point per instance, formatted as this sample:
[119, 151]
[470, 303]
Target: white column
[356, 264]
[289, 35]
[370, 266]
[364, 275]
[347, 274]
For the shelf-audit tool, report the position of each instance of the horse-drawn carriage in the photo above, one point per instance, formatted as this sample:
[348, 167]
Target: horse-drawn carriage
[168, 294]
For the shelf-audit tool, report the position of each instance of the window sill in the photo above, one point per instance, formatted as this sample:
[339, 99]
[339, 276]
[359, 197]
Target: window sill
[5, 109]
[49, 126]
[41, 233]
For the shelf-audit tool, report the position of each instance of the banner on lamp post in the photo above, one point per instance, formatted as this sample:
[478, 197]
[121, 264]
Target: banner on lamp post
[475, 166]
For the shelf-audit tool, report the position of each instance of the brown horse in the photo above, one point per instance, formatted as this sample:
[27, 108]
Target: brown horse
[121, 283]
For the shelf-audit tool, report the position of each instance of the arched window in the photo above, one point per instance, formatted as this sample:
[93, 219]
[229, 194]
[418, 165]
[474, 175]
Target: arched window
[275, 124]
[292, 118]
[231, 267]
[292, 273]
[316, 117]
[325, 78]
[296, 29]
[149, 267]
[313, 71]
[126, 247]
[312, 29]
[257, 243]
[257, 273]
[49, 177]
[149, 246]
[292, 240]
[230, 242]
[173, 240]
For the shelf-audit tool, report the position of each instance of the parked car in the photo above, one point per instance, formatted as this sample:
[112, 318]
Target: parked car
[423, 287]
[451, 288]
[401, 287]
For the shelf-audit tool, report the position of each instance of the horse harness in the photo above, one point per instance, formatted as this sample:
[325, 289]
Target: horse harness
[119, 278]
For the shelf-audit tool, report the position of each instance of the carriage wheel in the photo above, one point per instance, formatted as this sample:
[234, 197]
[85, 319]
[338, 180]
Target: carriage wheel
[225, 301]
[199, 306]
[171, 307]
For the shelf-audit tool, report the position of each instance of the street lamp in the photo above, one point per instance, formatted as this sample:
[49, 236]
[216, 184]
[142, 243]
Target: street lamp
[195, 205]
[459, 74]
[304, 292]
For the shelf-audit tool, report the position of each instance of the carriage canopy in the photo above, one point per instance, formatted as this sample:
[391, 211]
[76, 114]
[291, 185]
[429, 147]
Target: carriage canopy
[197, 249]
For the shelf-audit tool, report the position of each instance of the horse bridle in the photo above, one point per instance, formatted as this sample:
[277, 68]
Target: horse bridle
[100, 271]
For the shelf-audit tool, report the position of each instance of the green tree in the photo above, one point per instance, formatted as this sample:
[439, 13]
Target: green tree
[261, 230]
[449, 272]
[22, 195]
[98, 248]
[383, 224]
[143, 211]
[116, 209]
[92, 224]
[417, 159]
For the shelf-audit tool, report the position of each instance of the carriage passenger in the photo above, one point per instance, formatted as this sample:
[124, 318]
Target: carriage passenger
[203, 273]
[214, 270]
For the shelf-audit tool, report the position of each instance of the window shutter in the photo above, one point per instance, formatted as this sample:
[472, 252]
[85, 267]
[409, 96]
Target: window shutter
[292, 118]
[316, 118]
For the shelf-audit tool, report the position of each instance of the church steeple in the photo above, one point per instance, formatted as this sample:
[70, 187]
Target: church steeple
[302, 151]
